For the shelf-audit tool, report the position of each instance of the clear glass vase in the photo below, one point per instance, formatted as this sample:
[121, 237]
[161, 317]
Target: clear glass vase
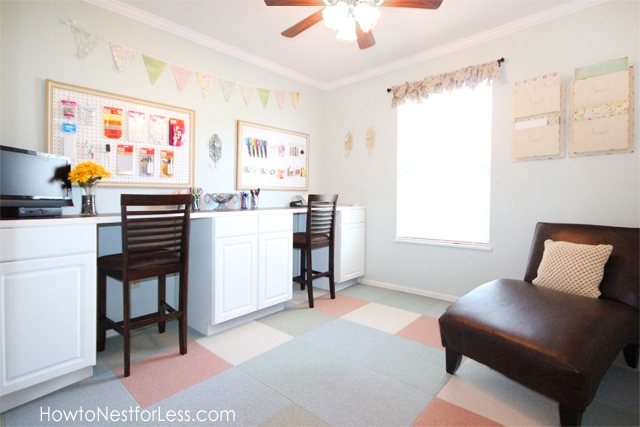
[89, 191]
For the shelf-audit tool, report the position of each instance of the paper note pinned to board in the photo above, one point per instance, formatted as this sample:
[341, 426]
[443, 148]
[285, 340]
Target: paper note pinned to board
[528, 124]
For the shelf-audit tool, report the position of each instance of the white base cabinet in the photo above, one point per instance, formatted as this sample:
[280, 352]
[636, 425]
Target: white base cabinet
[240, 263]
[47, 309]
[350, 244]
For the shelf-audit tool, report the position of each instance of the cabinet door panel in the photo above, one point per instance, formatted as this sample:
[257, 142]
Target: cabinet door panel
[275, 279]
[48, 319]
[235, 275]
[350, 246]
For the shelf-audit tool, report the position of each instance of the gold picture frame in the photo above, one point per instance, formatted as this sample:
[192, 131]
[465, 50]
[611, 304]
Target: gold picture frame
[77, 127]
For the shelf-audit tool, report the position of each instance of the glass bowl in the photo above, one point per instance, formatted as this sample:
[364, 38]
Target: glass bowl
[221, 199]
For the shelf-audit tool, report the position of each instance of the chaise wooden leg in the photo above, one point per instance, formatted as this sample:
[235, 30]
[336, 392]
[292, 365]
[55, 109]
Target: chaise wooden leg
[569, 416]
[453, 361]
[630, 353]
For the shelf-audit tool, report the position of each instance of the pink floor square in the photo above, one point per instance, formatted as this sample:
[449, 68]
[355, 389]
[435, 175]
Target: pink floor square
[441, 413]
[337, 307]
[163, 375]
[424, 330]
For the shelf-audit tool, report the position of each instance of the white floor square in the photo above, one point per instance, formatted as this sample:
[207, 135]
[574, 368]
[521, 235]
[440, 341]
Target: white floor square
[382, 317]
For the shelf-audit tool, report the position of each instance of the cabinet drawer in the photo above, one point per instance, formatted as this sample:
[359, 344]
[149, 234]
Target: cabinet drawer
[240, 225]
[42, 242]
[275, 222]
[349, 216]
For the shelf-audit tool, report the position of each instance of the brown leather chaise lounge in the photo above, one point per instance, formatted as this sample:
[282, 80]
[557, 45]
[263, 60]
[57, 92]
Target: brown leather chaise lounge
[556, 343]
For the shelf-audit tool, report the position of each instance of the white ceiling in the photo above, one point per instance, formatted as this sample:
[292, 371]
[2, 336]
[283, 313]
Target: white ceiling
[250, 30]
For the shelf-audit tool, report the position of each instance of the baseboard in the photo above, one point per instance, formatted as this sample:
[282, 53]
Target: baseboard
[422, 292]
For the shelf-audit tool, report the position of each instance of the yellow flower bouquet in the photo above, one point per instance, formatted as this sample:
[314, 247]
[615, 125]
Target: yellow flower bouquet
[87, 174]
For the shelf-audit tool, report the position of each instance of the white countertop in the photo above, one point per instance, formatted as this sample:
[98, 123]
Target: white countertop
[115, 217]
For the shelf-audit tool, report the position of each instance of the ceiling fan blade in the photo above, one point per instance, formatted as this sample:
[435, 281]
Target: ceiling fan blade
[415, 4]
[365, 40]
[294, 2]
[306, 23]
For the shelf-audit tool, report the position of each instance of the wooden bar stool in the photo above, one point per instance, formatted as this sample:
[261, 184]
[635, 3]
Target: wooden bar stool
[320, 233]
[155, 242]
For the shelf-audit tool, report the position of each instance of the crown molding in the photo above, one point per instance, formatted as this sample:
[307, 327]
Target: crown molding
[185, 33]
[170, 27]
[512, 27]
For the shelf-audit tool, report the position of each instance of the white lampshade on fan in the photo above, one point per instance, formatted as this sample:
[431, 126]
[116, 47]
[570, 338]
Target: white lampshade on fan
[367, 15]
[342, 15]
[347, 32]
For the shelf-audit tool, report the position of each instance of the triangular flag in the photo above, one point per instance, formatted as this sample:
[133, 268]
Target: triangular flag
[182, 76]
[227, 89]
[247, 92]
[85, 42]
[122, 55]
[264, 96]
[154, 67]
[205, 84]
[295, 97]
[279, 94]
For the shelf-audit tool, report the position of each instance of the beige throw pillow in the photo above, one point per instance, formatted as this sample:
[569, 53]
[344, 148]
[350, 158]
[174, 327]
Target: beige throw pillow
[573, 268]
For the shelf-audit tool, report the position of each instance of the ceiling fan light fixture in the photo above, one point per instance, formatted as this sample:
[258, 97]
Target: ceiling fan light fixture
[347, 32]
[336, 14]
[366, 14]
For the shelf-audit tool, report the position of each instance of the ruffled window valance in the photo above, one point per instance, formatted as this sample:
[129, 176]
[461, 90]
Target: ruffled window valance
[465, 77]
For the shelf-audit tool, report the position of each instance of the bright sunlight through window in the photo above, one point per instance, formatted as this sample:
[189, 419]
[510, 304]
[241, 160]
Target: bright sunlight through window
[444, 168]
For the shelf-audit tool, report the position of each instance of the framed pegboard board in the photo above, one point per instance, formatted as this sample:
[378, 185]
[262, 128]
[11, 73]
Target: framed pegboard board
[141, 143]
[271, 159]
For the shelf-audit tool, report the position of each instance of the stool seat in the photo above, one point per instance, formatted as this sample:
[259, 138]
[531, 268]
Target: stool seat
[319, 233]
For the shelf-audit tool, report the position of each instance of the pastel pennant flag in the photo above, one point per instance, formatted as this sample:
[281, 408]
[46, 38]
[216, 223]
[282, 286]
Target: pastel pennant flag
[205, 84]
[264, 95]
[227, 89]
[295, 97]
[182, 76]
[122, 55]
[154, 67]
[85, 42]
[247, 92]
[279, 94]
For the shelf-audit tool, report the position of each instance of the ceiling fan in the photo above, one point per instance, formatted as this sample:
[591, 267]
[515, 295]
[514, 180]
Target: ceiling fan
[364, 36]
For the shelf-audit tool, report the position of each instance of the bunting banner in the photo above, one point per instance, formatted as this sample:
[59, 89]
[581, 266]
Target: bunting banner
[227, 89]
[295, 97]
[85, 42]
[205, 84]
[182, 76]
[264, 96]
[279, 94]
[247, 93]
[122, 55]
[154, 67]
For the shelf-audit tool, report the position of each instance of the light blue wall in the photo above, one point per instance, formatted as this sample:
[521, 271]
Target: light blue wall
[36, 45]
[598, 189]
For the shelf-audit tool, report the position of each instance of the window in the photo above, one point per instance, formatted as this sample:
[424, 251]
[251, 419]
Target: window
[444, 168]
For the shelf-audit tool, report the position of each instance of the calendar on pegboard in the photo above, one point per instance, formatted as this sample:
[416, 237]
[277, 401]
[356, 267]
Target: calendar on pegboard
[141, 143]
